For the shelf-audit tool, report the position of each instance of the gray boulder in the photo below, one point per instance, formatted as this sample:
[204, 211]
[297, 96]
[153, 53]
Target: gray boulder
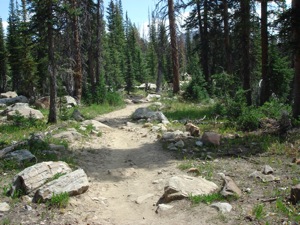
[10, 101]
[180, 187]
[145, 113]
[21, 156]
[70, 101]
[74, 183]
[31, 178]
[69, 135]
[211, 138]
[24, 110]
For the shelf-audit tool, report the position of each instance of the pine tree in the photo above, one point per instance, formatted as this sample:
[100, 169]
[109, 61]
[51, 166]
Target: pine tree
[3, 60]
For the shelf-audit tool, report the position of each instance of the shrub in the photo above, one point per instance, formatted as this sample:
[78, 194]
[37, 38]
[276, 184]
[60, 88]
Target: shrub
[59, 200]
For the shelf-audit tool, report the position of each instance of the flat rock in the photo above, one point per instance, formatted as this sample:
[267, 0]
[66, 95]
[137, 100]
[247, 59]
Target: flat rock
[10, 101]
[172, 135]
[9, 94]
[141, 199]
[152, 97]
[69, 135]
[180, 187]
[145, 113]
[74, 183]
[230, 187]
[4, 207]
[164, 207]
[37, 175]
[21, 156]
[263, 177]
[223, 207]
[98, 126]
[24, 110]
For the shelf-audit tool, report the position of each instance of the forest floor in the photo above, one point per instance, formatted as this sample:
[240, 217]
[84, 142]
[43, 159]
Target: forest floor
[127, 167]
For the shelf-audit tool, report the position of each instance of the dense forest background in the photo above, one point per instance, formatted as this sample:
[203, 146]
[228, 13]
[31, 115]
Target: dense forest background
[245, 51]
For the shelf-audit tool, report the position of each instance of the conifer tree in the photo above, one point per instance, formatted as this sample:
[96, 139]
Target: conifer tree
[3, 60]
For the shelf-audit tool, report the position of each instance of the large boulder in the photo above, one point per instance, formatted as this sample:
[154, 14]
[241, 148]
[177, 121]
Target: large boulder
[31, 178]
[74, 183]
[180, 187]
[10, 101]
[24, 110]
[69, 101]
[211, 138]
[145, 113]
[69, 135]
[9, 94]
[21, 156]
[42, 103]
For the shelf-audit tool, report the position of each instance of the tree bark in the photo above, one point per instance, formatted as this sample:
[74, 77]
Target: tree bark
[245, 13]
[265, 89]
[52, 118]
[78, 64]
[174, 49]
[226, 39]
[205, 46]
[296, 40]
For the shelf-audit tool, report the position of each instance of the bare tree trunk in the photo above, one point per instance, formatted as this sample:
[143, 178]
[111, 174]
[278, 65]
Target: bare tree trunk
[174, 49]
[226, 39]
[296, 39]
[205, 46]
[52, 118]
[245, 11]
[265, 89]
[78, 64]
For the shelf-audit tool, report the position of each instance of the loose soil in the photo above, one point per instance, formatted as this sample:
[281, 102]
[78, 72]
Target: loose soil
[128, 166]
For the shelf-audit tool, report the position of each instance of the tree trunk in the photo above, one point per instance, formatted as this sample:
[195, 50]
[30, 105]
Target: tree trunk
[174, 49]
[245, 13]
[78, 64]
[51, 67]
[296, 39]
[205, 46]
[265, 89]
[226, 39]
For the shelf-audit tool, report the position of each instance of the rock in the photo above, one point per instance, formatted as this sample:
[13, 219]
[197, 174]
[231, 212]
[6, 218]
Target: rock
[24, 110]
[179, 144]
[21, 156]
[35, 176]
[141, 199]
[10, 101]
[172, 147]
[199, 143]
[148, 86]
[263, 177]
[74, 183]
[285, 123]
[295, 194]
[158, 104]
[152, 97]
[163, 207]
[4, 207]
[69, 135]
[223, 207]
[70, 101]
[59, 148]
[128, 101]
[267, 170]
[230, 188]
[42, 103]
[76, 115]
[98, 126]
[9, 94]
[179, 187]
[193, 129]
[211, 138]
[145, 113]
[172, 135]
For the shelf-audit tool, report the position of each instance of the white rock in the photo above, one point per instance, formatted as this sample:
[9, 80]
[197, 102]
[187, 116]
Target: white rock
[164, 207]
[4, 207]
[222, 206]
[141, 199]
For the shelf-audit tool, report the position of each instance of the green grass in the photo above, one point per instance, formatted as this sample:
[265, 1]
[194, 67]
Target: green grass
[59, 200]
[288, 210]
[206, 169]
[91, 111]
[258, 211]
[207, 199]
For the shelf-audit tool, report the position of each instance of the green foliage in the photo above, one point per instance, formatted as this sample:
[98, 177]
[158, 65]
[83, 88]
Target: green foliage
[248, 120]
[224, 85]
[21, 121]
[114, 99]
[59, 200]
[290, 211]
[258, 211]
[207, 199]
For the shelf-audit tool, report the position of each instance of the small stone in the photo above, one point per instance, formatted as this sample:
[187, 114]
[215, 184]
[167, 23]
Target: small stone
[222, 206]
[199, 143]
[164, 207]
[4, 207]
[141, 199]
[267, 170]
[179, 144]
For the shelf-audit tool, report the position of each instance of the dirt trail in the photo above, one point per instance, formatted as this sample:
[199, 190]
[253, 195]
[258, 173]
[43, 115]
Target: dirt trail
[127, 168]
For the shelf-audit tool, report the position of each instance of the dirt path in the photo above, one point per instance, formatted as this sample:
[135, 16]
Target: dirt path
[127, 168]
